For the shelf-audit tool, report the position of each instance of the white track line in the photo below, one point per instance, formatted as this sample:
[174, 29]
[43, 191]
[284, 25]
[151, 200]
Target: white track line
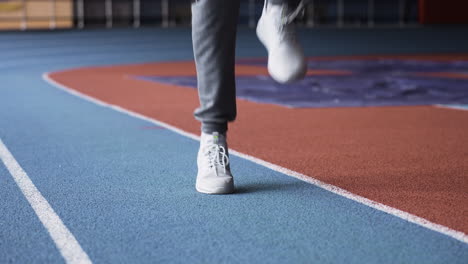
[63, 238]
[334, 189]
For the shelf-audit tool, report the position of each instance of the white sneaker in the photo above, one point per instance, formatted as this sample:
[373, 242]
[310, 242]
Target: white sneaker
[286, 60]
[214, 173]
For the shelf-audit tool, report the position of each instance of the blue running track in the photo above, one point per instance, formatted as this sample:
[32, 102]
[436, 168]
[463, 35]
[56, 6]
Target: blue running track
[127, 193]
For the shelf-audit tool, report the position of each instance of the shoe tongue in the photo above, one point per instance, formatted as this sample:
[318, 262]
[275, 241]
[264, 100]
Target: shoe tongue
[215, 137]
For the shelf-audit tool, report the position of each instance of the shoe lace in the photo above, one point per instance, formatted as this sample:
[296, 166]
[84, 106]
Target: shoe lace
[288, 17]
[285, 28]
[287, 33]
[217, 156]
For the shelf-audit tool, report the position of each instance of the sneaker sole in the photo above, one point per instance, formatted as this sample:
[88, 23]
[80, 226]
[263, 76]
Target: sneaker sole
[220, 190]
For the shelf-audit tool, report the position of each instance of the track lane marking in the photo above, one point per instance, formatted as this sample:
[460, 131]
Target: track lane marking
[458, 235]
[62, 237]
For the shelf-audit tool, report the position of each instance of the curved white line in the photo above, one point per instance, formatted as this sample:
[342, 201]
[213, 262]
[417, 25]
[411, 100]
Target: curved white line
[332, 188]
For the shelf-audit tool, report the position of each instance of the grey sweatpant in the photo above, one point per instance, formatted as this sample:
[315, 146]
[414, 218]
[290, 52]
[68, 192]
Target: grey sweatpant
[214, 26]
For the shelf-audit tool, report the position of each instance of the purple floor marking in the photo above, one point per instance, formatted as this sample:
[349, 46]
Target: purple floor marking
[377, 82]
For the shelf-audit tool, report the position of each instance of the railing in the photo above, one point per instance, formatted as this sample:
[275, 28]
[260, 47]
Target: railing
[27, 14]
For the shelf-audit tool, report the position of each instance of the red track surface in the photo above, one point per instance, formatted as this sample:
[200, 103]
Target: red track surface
[411, 158]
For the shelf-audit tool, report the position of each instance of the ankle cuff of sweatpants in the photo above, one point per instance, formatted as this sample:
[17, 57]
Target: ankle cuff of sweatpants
[209, 128]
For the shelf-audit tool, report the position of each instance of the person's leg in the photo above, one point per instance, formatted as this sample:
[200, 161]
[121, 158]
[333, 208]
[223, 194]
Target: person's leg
[214, 25]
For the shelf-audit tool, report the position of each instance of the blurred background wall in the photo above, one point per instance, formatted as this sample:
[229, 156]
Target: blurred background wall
[36, 14]
[45, 14]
